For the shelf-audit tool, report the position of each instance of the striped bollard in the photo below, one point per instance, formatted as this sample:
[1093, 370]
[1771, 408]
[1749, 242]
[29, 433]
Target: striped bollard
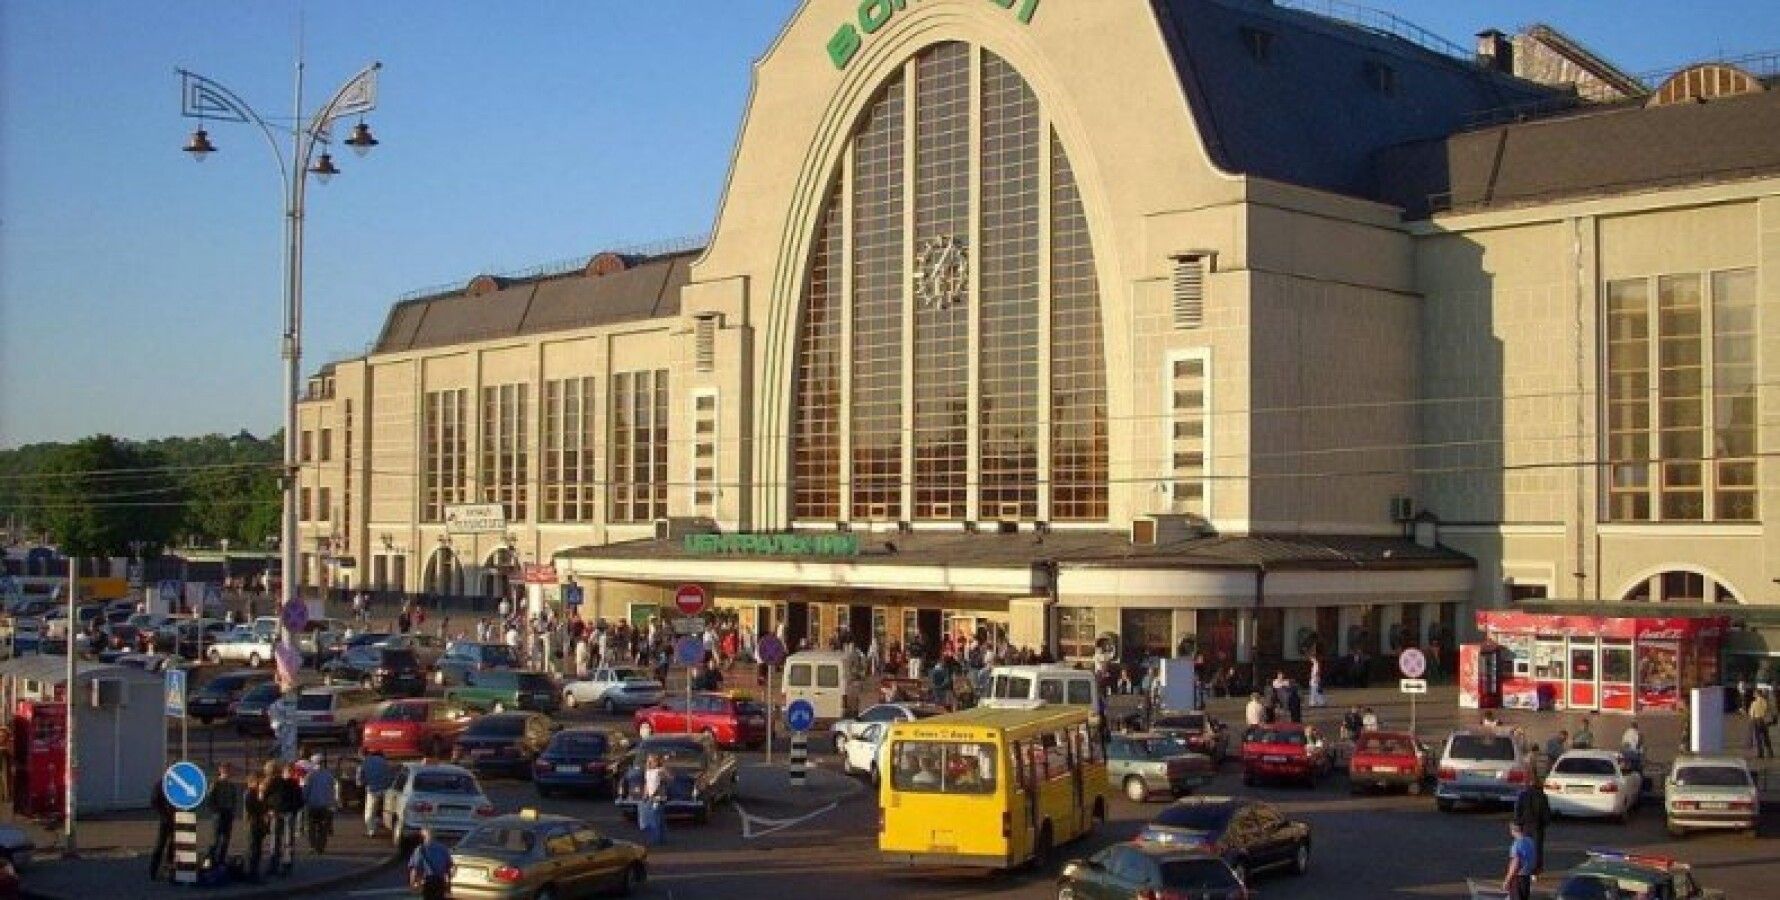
[800, 757]
[185, 847]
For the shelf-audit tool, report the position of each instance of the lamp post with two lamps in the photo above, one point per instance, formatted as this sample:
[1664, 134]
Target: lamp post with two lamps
[206, 100]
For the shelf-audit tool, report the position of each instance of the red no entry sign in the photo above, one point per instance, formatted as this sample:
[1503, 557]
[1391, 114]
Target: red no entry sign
[690, 599]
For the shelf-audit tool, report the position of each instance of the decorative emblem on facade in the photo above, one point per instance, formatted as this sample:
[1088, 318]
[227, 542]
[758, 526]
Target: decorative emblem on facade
[942, 272]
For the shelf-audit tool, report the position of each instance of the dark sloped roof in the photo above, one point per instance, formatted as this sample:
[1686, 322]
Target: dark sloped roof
[649, 289]
[1610, 150]
[1109, 549]
[1306, 114]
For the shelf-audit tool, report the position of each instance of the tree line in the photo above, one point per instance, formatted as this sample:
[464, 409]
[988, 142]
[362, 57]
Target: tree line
[98, 495]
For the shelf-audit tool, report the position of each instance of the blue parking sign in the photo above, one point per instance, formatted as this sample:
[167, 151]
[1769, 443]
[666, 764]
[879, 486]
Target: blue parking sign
[800, 715]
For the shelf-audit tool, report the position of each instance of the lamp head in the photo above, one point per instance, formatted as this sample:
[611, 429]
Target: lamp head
[324, 168]
[361, 141]
[199, 145]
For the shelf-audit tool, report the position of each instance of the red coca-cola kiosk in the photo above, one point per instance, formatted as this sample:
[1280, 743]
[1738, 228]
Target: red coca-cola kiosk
[39, 758]
[1621, 664]
[1480, 675]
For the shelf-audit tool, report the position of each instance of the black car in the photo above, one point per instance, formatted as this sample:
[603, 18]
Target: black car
[1203, 733]
[1248, 834]
[701, 775]
[1149, 870]
[395, 673]
[216, 699]
[579, 760]
[504, 743]
[249, 716]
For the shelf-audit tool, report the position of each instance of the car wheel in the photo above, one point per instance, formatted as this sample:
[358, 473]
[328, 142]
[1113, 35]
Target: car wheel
[634, 876]
[1301, 859]
[610, 706]
[644, 730]
[568, 700]
[1443, 805]
[1134, 789]
[253, 660]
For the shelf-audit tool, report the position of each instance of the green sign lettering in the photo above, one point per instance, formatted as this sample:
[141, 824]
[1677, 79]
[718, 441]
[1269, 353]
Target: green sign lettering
[873, 15]
[747, 544]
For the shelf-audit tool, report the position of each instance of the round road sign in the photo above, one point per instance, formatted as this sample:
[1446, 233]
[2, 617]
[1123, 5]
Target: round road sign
[1412, 663]
[690, 599]
[800, 715]
[770, 650]
[184, 786]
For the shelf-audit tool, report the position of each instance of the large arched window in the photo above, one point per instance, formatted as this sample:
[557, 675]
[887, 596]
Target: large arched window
[949, 359]
[1680, 586]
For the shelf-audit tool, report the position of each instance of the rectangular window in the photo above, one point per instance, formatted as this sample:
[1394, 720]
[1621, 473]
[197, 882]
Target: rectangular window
[1189, 445]
[506, 450]
[705, 489]
[323, 504]
[639, 446]
[306, 446]
[570, 437]
[1189, 290]
[303, 505]
[327, 444]
[1076, 630]
[1681, 397]
[880, 270]
[444, 451]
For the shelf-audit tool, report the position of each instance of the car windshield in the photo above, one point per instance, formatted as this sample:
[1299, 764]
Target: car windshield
[630, 675]
[499, 840]
[498, 655]
[1383, 746]
[532, 681]
[749, 708]
[400, 658]
[315, 702]
[590, 742]
[1711, 776]
[224, 685]
[402, 712]
[1162, 746]
[1209, 817]
[1583, 765]
[496, 726]
[1185, 723]
[1199, 875]
[1498, 748]
[681, 757]
[943, 767]
[444, 783]
[265, 692]
[1276, 736]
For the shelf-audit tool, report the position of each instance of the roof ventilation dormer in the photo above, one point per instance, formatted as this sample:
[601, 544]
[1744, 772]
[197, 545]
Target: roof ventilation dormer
[1706, 81]
[607, 263]
[482, 285]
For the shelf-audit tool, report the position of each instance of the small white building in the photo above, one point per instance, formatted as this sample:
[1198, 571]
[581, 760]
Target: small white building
[121, 732]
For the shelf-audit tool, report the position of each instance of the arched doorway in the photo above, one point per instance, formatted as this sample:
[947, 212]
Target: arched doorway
[443, 575]
[499, 573]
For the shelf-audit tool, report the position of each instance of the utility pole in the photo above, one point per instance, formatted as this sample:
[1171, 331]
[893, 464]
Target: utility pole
[69, 762]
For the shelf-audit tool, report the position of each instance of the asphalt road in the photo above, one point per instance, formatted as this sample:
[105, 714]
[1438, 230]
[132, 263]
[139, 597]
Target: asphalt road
[1364, 847]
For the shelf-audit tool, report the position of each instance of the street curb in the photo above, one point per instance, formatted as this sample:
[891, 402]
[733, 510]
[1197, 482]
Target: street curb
[302, 889]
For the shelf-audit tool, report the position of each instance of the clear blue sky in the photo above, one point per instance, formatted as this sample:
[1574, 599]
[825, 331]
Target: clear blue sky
[140, 294]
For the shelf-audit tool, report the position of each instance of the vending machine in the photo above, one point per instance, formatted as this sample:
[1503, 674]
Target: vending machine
[40, 745]
[1480, 676]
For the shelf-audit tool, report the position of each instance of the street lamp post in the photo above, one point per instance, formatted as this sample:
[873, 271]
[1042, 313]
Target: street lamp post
[204, 99]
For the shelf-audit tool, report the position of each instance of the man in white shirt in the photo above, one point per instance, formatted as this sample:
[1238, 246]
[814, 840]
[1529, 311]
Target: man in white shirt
[1253, 713]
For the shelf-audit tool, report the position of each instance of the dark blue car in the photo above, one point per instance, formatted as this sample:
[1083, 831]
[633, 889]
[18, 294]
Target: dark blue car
[579, 761]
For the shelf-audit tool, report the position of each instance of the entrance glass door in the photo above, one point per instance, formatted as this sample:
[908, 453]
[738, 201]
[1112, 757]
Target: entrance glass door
[1585, 671]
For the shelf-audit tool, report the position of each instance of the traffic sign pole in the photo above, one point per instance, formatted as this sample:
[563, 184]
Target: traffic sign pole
[800, 715]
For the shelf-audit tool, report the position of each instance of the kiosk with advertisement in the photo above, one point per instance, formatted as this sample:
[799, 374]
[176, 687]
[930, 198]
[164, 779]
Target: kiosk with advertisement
[1605, 663]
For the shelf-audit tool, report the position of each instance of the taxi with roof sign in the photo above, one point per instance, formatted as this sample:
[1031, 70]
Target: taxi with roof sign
[528, 855]
[1636, 875]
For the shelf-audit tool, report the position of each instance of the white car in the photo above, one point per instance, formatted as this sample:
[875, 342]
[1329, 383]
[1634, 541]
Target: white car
[849, 729]
[860, 754]
[614, 689]
[1713, 792]
[445, 798]
[241, 645]
[1593, 783]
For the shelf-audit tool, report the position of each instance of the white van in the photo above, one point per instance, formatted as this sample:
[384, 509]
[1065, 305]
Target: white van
[1055, 685]
[826, 679]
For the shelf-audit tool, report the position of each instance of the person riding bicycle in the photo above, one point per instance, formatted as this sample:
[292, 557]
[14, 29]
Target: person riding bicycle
[321, 796]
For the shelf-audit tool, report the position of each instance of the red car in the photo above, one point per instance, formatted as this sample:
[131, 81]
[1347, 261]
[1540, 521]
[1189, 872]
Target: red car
[1389, 759]
[415, 728]
[1285, 751]
[729, 721]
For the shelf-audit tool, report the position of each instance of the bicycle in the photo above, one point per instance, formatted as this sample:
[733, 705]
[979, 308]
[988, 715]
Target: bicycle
[320, 822]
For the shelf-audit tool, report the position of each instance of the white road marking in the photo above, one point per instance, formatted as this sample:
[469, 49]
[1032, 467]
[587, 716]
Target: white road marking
[774, 825]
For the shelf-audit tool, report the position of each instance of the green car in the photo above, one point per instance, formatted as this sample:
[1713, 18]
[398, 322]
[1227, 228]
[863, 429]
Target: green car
[500, 690]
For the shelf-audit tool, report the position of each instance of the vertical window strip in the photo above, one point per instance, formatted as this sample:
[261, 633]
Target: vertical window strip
[1189, 383]
[1680, 397]
[1628, 401]
[1734, 395]
[1079, 444]
[878, 272]
[1008, 415]
[942, 326]
[816, 442]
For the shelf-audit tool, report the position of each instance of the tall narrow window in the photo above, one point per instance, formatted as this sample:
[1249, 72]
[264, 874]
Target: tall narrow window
[346, 489]
[639, 446]
[506, 456]
[1681, 397]
[816, 466]
[704, 454]
[444, 451]
[1079, 446]
[879, 270]
[942, 313]
[569, 474]
[1188, 435]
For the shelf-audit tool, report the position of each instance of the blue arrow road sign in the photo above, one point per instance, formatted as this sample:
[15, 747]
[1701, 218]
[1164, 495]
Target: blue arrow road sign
[184, 785]
[176, 693]
[800, 715]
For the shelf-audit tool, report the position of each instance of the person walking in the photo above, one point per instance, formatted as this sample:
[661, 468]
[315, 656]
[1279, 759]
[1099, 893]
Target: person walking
[376, 774]
[1761, 719]
[1518, 882]
[224, 802]
[1294, 702]
[163, 831]
[1532, 813]
[1316, 683]
[1254, 711]
[285, 797]
[650, 812]
[259, 822]
[429, 867]
[321, 796]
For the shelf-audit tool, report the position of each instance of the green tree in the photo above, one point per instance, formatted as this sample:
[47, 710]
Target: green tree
[96, 496]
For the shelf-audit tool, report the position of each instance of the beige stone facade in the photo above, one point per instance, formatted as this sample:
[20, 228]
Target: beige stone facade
[1346, 362]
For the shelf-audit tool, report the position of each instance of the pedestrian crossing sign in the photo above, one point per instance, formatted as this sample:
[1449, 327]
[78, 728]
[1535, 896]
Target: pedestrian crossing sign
[176, 693]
